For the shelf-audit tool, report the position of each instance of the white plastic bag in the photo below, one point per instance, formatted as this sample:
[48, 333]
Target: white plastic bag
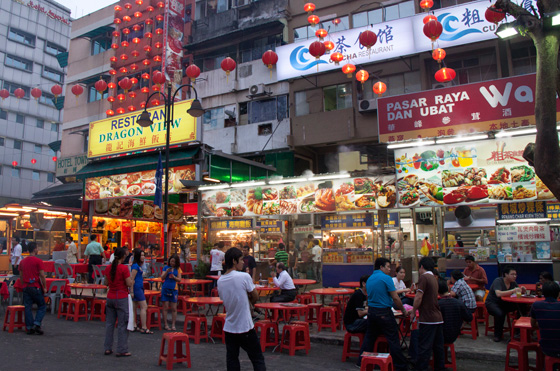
[131, 318]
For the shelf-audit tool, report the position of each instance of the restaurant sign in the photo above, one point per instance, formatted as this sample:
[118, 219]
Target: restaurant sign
[523, 233]
[391, 222]
[480, 107]
[522, 210]
[128, 208]
[553, 211]
[174, 25]
[66, 166]
[363, 220]
[117, 135]
[231, 224]
[270, 226]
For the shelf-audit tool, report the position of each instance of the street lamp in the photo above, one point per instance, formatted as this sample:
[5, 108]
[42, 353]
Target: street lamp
[144, 120]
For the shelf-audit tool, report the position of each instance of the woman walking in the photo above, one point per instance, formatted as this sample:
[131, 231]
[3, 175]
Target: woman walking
[138, 290]
[117, 277]
[171, 275]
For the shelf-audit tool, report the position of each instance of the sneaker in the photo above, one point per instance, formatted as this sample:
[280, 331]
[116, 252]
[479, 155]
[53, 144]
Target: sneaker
[38, 330]
[30, 331]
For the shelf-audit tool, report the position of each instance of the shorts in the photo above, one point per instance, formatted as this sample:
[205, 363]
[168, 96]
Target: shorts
[169, 295]
[138, 294]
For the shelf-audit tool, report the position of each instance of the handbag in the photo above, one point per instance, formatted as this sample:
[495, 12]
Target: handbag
[130, 326]
[168, 292]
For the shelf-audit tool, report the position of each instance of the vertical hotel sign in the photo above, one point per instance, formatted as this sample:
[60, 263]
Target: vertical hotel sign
[117, 135]
[174, 25]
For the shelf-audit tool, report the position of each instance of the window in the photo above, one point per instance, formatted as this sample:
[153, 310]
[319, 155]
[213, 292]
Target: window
[15, 172]
[139, 34]
[19, 63]
[524, 59]
[17, 144]
[20, 119]
[40, 123]
[53, 49]
[36, 175]
[268, 109]
[38, 148]
[51, 152]
[94, 95]
[50, 177]
[302, 105]
[54, 127]
[2, 141]
[12, 87]
[402, 83]
[470, 68]
[46, 99]
[3, 114]
[86, 140]
[331, 25]
[212, 62]
[213, 118]
[52, 74]
[21, 37]
[337, 97]
[254, 49]
[100, 44]
[379, 15]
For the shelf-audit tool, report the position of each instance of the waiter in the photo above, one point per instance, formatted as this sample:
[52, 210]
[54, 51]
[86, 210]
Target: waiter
[93, 253]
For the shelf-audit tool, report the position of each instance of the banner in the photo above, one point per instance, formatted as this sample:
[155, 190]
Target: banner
[523, 233]
[487, 106]
[270, 226]
[231, 224]
[522, 210]
[469, 173]
[66, 166]
[174, 25]
[121, 134]
[347, 221]
[128, 208]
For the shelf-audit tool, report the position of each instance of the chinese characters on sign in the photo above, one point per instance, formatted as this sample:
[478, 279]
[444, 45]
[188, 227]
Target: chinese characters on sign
[231, 224]
[522, 210]
[553, 211]
[270, 226]
[70, 165]
[523, 233]
[392, 220]
[347, 221]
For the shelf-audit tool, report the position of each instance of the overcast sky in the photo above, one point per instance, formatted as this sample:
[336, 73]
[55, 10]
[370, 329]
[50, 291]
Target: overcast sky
[80, 8]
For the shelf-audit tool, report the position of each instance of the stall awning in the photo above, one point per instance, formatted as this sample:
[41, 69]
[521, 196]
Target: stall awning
[127, 164]
[62, 195]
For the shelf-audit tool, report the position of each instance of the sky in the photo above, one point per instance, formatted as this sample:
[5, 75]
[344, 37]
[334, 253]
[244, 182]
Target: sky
[80, 8]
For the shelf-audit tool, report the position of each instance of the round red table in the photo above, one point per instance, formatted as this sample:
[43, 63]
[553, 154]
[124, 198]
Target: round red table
[529, 286]
[206, 300]
[330, 292]
[91, 286]
[212, 277]
[354, 284]
[275, 308]
[194, 282]
[522, 300]
[150, 294]
[302, 282]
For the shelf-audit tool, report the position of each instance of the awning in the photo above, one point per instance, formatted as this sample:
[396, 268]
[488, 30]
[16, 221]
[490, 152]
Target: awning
[129, 164]
[98, 31]
[62, 195]
[55, 146]
[62, 59]
[231, 168]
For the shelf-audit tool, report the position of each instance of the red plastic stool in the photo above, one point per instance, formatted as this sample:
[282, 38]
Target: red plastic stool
[313, 313]
[381, 345]
[153, 317]
[183, 306]
[448, 363]
[488, 328]
[523, 350]
[78, 309]
[11, 321]
[98, 309]
[347, 350]
[306, 335]
[385, 363]
[339, 309]
[293, 338]
[214, 292]
[473, 330]
[327, 318]
[63, 306]
[268, 333]
[304, 298]
[174, 354]
[217, 330]
[198, 329]
[480, 312]
[550, 362]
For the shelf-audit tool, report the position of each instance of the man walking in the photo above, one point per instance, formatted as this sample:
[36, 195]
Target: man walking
[16, 256]
[94, 255]
[234, 287]
[382, 296]
[34, 283]
[316, 252]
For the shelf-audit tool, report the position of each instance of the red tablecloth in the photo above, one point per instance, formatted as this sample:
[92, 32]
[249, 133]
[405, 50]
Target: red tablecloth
[4, 290]
[79, 268]
[49, 266]
[186, 267]
[65, 289]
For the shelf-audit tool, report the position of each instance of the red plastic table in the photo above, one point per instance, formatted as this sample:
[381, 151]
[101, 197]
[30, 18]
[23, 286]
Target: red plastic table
[206, 300]
[193, 282]
[91, 286]
[79, 268]
[276, 308]
[522, 300]
[149, 294]
[529, 286]
[354, 284]
[523, 324]
[331, 292]
[303, 282]
[213, 277]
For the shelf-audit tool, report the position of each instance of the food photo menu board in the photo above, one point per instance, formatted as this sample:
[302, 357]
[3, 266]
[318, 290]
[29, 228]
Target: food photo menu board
[364, 193]
[466, 173]
[128, 208]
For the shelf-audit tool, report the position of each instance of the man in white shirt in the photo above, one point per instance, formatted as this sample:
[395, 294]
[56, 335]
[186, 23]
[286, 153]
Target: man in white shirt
[316, 251]
[217, 255]
[284, 282]
[233, 287]
[72, 252]
[16, 256]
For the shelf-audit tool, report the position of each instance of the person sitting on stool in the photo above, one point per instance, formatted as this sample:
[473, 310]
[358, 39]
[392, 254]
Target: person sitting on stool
[284, 282]
[356, 309]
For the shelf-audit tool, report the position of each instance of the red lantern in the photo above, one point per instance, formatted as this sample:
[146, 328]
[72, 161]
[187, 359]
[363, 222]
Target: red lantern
[445, 74]
[136, 40]
[429, 17]
[124, 57]
[228, 65]
[114, 46]
[125, 44]
[426, 4]
[100, 86]
[110, 112]
[159, 31]
[157, 58]
[329, 45]
[116, 34]
[19, 93]
[362, 76]
[145, 89]
[158, 45]
[155, 102]
[137, 14]
[379, 88]
[121, 97]
[159, 17]
[494, 15]
[54, 158]
[158, 77]
[146, 62]
[117, 21]
[77, 90]
[160, 4]
[438, 54]
[149, 21]
[309, 7]
[125, 84]
[136, 27]
[128, 6]
[317, 49]
[337, 58]
[111, 85]
[125, 31]
[123, 70]
[321, 33]
[110, 99]
[143, 104]
[126, 18]
[4, 93]
[147, 49]
[36, 93]
[433, 30]
[132, 94]
[368, 39]
[113, 59]
[146, 76]
[14, 163]
[133, 67]
[33, 161]
[155, 88]
[134, 80]
[120, 110]
[131, 108]
[270, 58]
[313, 19]
[148, 35]
[336, 21]
[139, 2]
[193, 72]
[118, 8]
[112, 72]
[348, 69]
[150, 9]
[56, 90]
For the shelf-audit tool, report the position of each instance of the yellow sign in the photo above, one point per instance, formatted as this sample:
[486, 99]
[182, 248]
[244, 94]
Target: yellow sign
[122, 134]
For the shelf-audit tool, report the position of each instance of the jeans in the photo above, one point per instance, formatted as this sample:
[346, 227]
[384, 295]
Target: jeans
[359, 325]
[249, 342]
[284, 296]
[499, 311]
[93, 260]
[117, 308]
[33, 295]
[430, 339]
[15, 270]
[318, 271]
[382, 321]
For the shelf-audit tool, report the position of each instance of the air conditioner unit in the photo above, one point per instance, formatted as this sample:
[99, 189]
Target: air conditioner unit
[256, 90]
[440, 85]
[367, 105]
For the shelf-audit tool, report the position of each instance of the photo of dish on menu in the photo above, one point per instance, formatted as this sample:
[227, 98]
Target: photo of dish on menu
[365, 193]
[137, 209]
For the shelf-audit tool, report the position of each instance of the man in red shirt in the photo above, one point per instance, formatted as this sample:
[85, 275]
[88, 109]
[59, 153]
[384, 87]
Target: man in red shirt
[34, 283]
[475, 274]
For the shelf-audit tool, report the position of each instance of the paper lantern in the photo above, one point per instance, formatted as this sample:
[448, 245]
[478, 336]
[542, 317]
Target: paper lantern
[125, 84]
[124, 57]
[136, 27]
[149, 21]
[348, 69]
[147, 49]
[110, 99]
[309, 7]
[54, 158]
[128, 6]
[438, 54]
[494, 15]
[134, 80]
[368, 39]
[131, 108]
[317, 49]
[313, 19]
[77, 90]
[145, 89]
[118, 8]
[155, 102]
[56, 90]
[36, 93]
[135, 53]
[158, 45]
[426, 4]
[336, 21]
[321, 33]
[433, 30]
[112, 72]
[142, 104]
[126, 18]
[379, 88]
[150, 9]
[159, 17]
[33, 161]
[117, 21]
[159, 31]
[193, 72]
[116, 34]
[120, 110]
[337, 58]
[137, 14]
[110, 112]
[113, 59]
[158, 77]
[133, 67]
[148, 35]
[125, 44]
[136, 40]
[139, 2]
[429, 17]
[362, 76]
[146, 62]
[121, 97]
[19, 93]
[155, 88]
[146, 76]
[445, 74]
[123, 70]
[329, 45]
[100, 86]
[114, 46]
[269, 58]
[111, 85]
[4, 93]
[132, 94]
[14, 163]
[157, 58]
[160, 4]
[126, 31]
[228, 65]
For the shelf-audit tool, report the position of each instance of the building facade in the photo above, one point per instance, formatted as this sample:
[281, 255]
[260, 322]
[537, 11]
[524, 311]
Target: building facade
[32, 35]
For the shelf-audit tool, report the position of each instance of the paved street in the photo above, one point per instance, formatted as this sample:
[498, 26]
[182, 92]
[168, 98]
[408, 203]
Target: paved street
[67, 345]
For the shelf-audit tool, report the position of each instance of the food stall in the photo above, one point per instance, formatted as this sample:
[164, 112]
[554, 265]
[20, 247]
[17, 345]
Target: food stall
[271, 233]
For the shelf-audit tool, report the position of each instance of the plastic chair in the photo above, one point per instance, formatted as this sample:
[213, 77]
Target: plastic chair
[327, 318]
[293, 338]
[12, 290]
[268, 333]
[69, 272]
[347, 350]
[523, 350]
[59, 271]
[217, 329]
[174, 354]
[98, 276]
[157, 269]
[14, 318]
[473, 329]
[57, 295]
[385, 363]
[198, 329]
[550, 362]
[448, 363]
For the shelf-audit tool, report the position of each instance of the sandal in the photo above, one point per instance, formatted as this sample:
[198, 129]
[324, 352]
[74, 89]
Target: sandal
[146, 331]
[173, 328]
[108, 352]
[167, 328]
[123, 354]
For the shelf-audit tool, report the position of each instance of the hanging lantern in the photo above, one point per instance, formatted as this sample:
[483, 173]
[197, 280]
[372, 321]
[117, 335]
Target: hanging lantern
[445, 74]
[117, 21]
[128, 6]
[126, 31]
[426, 4]
[145, 89]
[270, 58]
[438, 54]
[159, 17]
[113, 59]
[337, 58]
[336, 21]
[120, 111]
[137, 14]
[125, 84]
[136, 27]
[150, 9]
[123, 70]
[157, 58]
[309, 8]
[112, 72]
[4, 93]
[348, 69]
[110, 99]
[56, 90]
[143, 105]
[368, 39]
[118, 8]
[155, 102]
[19, 93]
[33, 161]
[121, 97]
[135, 53]
[116, 34]
[54, 158]
[429, 17]
[158, 77]
[14, 163]
[126, 18]
[36, 93]
[494, 15]
[77, 90]
[100, 86]
[155, 88]
[114, 46]
[362, 76]
[317, 49]
[329, 45]
[148, 35]
[146, 62]
[149, 21]
[111, 85]
[228, 65]
[193, 72]
[124, 57]
[159, 31]
[131, 108]
[146, 76]
[321, 33]
[313, 19]
[133, 67]
[136, 40]
[158, 45]
[110, 112]
[134, 80]
[160, 4]
[139, 2]
[433, 30]
[132, 94]
[379, 88]
[147, 49]
[125, 44]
